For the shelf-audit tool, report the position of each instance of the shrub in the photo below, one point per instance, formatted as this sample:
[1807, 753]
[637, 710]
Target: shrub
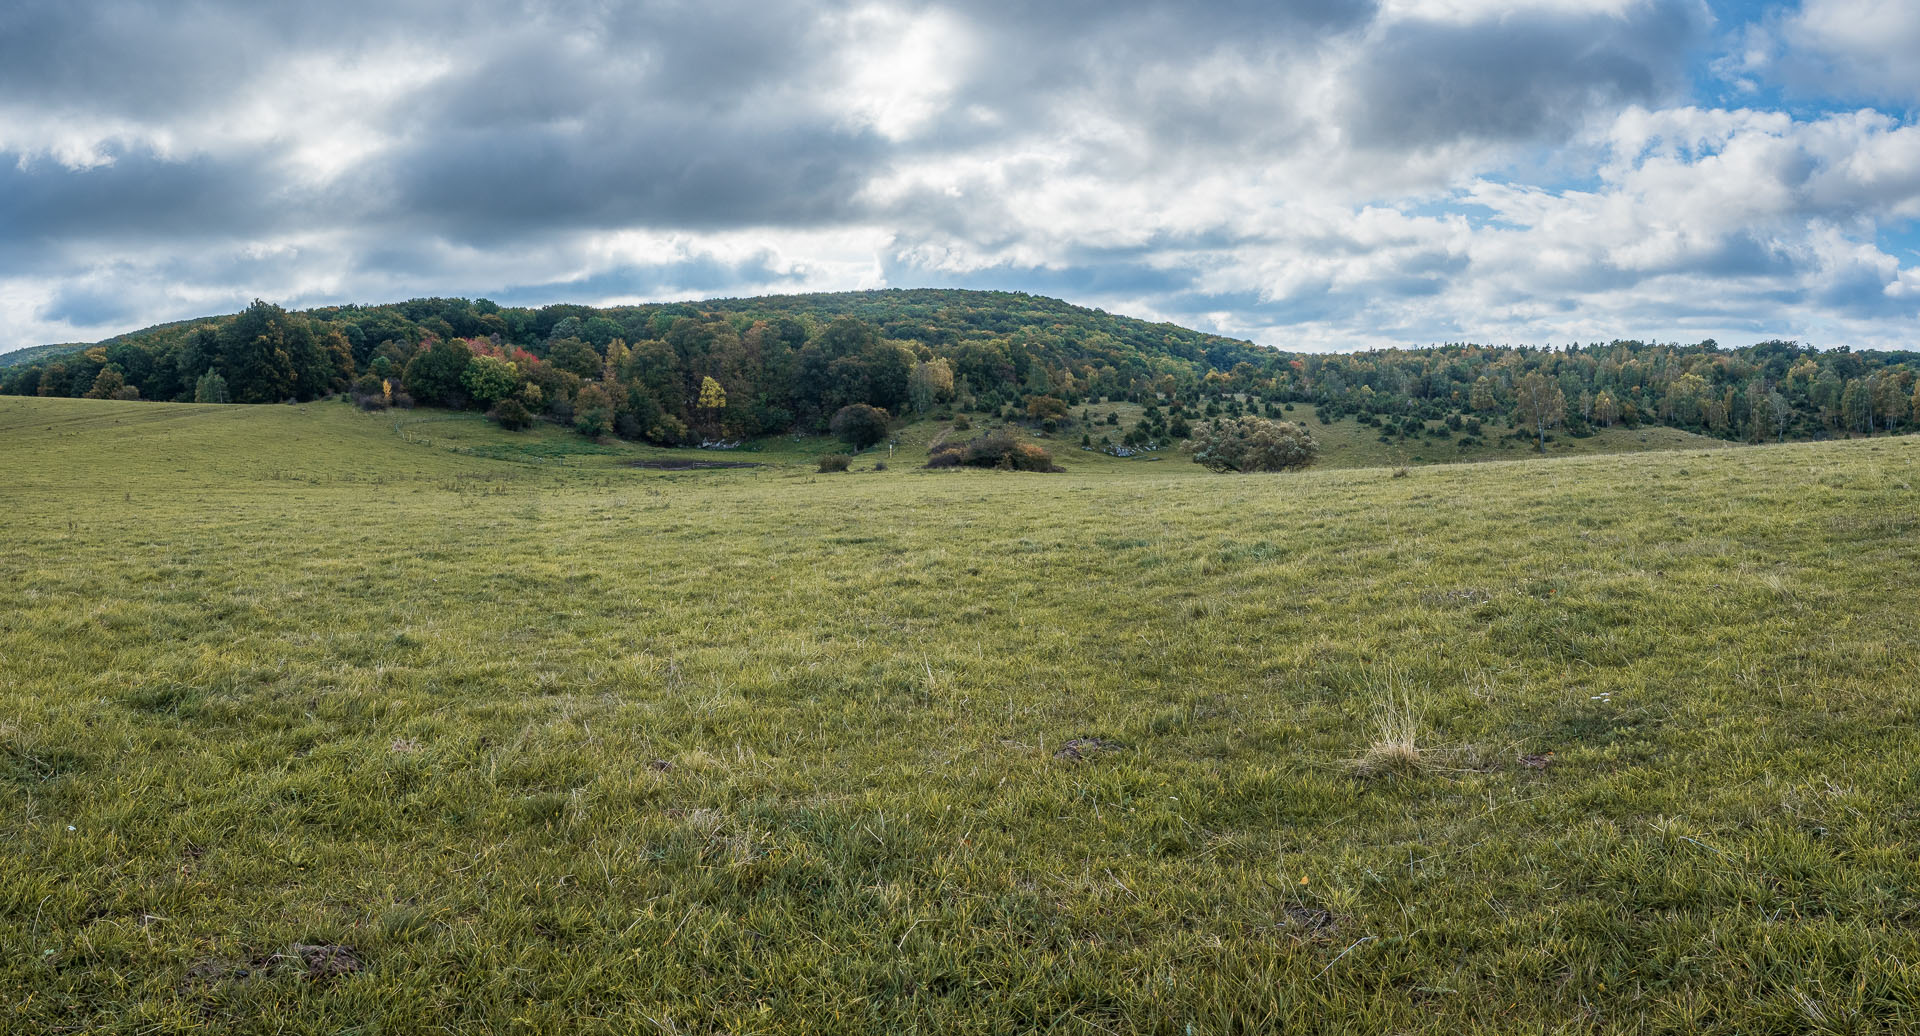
[593, 412]
[1253, 444]
[370, 392]
[860, 425]
[512, 415]
[999, 450]
[1042, 408]
[834, 462]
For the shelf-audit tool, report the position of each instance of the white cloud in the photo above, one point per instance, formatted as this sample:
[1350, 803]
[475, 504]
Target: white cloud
[1870, 44]
[1314, 175]
[898, 69]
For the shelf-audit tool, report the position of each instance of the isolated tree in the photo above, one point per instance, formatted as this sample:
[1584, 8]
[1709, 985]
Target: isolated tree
[1539, 404]
[860, 425]
[1252, 444]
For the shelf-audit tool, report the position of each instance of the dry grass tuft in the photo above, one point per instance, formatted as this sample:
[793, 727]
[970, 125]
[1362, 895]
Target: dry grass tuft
[1396, 751]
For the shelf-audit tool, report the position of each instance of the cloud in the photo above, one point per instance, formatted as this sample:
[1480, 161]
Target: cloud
[1315, 173]
[1863, 47]
[1515, 75]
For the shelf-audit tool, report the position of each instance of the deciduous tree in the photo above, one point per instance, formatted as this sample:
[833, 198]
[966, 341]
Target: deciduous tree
[1539, 404]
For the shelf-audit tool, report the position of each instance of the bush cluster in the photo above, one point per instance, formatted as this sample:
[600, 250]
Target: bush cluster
[999, 450]
[1253, 444]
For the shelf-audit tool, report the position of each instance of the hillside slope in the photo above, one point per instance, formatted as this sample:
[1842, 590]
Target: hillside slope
[727, 369]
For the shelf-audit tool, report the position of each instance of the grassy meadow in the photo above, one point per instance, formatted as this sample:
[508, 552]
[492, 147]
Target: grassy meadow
[1583, 744]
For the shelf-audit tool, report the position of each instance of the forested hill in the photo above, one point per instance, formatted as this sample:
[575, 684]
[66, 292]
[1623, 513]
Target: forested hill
[737, 368]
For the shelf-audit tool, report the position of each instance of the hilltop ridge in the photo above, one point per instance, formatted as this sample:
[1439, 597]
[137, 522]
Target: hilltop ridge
[675, 373]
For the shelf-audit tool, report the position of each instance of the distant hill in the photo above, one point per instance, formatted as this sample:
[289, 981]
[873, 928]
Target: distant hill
[39, 353]
[673, 373]
[42, 353]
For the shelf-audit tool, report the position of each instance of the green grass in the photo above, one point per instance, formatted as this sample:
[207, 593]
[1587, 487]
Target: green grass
[559, 745]
[1347, 443]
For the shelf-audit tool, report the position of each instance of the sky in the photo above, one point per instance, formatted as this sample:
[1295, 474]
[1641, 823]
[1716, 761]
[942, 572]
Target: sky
[1308, 174]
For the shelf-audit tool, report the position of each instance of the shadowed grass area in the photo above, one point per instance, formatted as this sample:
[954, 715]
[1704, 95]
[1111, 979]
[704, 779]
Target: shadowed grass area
[573, 746]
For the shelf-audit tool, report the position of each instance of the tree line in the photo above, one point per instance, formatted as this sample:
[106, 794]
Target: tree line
[732, 369]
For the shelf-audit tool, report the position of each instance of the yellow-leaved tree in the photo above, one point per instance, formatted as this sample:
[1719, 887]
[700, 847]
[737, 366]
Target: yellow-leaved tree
[713, 399]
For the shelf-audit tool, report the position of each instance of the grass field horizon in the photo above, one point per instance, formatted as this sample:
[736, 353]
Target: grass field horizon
[1612, 741]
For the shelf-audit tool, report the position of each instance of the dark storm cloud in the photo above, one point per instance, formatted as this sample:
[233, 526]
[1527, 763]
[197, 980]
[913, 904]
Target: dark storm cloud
[87, 306]
[136, 197]
[668, 115]
[483, 186]
[1516, 77]
[164, 59]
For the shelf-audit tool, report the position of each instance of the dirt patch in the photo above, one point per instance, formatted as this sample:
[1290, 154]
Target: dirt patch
[322, 963]
[678, 464]
[1082, 748]
[1311, 920]
[327, 961]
